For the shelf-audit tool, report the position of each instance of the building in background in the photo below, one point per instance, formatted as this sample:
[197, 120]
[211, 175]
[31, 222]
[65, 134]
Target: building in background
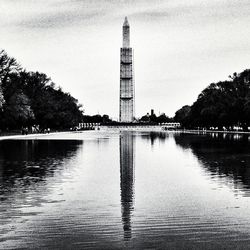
[127, 89]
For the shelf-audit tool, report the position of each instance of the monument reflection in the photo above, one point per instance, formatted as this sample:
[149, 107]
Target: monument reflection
[127, 166]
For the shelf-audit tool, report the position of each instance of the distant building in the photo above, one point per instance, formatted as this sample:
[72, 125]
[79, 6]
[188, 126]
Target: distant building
[127, 109]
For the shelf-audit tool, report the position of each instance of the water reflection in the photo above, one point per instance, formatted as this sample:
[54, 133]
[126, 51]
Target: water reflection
[224, 156]
[57, 194]
[154, 136]
[26, 162]
[27, 173]
[127, 173]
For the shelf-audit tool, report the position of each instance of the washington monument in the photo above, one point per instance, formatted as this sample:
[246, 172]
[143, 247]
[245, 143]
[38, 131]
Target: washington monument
[127, 92]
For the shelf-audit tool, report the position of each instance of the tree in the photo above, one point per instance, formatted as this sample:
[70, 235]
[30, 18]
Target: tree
[182, 115]
[32, 98]
[8, 66]
[18, 111]
[145, 118]
[153, 119]
[222, 104]
[96, 119]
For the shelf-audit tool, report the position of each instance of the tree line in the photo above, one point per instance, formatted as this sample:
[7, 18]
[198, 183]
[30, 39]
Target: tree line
[223, 105]
[154, 119]
[31, 98]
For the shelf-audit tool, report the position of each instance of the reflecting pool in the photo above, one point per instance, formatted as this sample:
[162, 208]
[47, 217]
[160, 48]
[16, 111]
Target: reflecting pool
[125, 190]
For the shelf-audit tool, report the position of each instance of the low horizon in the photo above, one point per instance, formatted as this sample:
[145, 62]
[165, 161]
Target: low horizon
[179, 48]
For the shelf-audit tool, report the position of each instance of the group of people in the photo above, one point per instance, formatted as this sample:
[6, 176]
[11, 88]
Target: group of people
[46, 130]
[25, 130]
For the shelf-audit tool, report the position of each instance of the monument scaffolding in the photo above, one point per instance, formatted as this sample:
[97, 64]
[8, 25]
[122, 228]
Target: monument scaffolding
[127, 91]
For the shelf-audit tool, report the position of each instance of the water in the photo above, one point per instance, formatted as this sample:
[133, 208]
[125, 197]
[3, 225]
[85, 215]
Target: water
[128, 190]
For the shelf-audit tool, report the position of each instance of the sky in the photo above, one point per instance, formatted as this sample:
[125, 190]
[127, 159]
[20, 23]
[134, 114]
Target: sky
[180, 47]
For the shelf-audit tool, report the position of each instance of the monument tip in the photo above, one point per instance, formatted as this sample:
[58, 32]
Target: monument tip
[126, 22]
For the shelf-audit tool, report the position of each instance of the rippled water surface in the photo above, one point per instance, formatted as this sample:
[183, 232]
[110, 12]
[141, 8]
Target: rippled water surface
[137, 190]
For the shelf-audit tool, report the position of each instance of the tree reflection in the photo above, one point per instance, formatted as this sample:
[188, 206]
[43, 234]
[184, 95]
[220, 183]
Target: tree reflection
[222, 155]
[127, 156]
[25, 162]
[154, 136]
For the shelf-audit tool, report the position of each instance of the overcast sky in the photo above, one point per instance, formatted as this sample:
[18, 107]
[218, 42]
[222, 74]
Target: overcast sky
[179, 46]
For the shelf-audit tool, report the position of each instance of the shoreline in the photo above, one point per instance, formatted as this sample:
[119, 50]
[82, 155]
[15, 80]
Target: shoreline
[35, 135]
[211, 131]
[186, 131]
